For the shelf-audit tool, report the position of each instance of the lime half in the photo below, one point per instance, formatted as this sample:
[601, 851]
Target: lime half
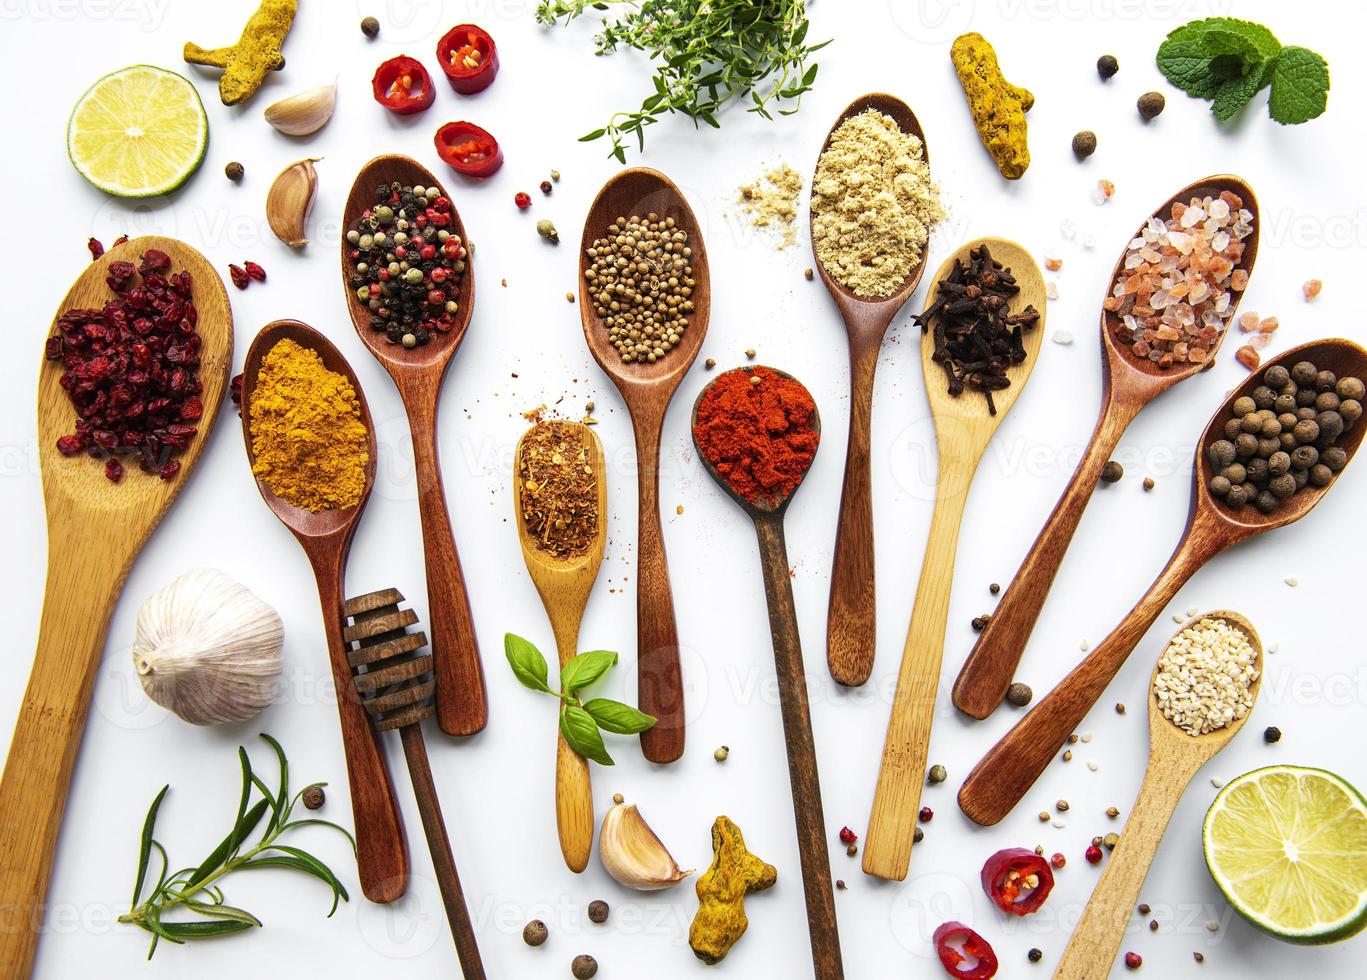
[1288, 847]
[138, 132]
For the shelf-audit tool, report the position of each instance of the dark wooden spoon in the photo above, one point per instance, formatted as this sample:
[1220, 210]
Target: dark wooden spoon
[1011, 767]
[381, 847]
[797, 722]
[851, 620]
[647, 390]
[462, 701]
[1130, 384]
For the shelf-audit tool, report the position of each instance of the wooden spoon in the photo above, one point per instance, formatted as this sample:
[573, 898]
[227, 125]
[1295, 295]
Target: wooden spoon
[647, 390]
[822, 927]
[1174, 758]
[87, 565]
[963, 428]
[564, 585]
[1011, 767]
[1130, 384]
[851, 619]
[418, 372]
[381, 847]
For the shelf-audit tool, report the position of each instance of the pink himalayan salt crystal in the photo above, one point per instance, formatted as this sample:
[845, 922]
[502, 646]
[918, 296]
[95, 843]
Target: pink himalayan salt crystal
[1269, 325]
[1053, 265]
[1248, 357]
[1248, 321]
[1311, 289]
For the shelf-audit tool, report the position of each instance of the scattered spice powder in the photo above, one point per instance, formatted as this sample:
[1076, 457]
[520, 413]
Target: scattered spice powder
[771, 202]
[558, 488]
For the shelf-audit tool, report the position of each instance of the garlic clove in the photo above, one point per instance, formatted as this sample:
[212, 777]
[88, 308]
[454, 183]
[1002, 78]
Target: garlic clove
[290, 202]
[631, 853]
[208, 648]
[305, 113]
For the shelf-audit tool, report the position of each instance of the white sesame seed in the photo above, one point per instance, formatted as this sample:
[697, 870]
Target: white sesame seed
[1204, 677]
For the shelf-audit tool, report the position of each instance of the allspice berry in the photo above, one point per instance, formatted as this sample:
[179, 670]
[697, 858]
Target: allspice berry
[1112, 472]
[534, 933]
[1019, 694]
[370, 26]
[598, 911]
[234, 171]
[313, 797]
[1151, 104]
[1084, 144]
[1106, 66]
[584, 967]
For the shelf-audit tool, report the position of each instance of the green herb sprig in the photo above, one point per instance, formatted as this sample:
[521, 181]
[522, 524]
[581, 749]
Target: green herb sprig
[1228, 61]
[196, 889]
[580, 720]
[707, 53]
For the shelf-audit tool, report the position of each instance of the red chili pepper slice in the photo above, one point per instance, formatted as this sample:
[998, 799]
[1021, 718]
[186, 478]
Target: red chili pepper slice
[469, 57]
[1007, 876]
[974, 946]
[403, 86]
[468, 149]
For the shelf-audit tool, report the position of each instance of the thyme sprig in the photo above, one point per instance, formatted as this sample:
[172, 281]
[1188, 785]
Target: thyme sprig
[196, 889]
[707, 53]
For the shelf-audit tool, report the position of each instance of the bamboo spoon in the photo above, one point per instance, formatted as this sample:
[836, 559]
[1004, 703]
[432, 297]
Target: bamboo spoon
[418, 372]
[1174, 758]
[963, 428]
[797, 722]
[851, 619]
[1130, 383]
[381, 847]
[647, 390]
[87, 566]
[564, 585]
[1011, 766]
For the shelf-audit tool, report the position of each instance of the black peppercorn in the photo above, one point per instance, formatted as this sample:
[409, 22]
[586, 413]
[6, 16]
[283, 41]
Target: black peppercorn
[994, 588]
[234, 171]
[1272, 735]
[938, 774]
[545, 187]
[1107, 66]
[1035, 955]
[584, 967]
[598, 911]
[1084, 144]
[917, 835]
[534, 933]
[1150, 105]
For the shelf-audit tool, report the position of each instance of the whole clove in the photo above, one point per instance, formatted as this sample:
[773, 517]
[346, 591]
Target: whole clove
[976, 336]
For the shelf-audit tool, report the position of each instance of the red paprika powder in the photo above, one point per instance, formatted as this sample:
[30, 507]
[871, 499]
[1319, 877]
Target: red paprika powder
[760, 435]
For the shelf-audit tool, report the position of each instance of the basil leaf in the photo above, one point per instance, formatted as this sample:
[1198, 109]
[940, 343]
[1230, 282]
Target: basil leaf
[586, 669]
[1300, 86]
[581, 731]
[145, 852]
[529, 666]
[614, 716]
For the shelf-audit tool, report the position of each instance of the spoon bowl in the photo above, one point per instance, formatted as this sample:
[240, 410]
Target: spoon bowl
[647, 390]
[851, 623]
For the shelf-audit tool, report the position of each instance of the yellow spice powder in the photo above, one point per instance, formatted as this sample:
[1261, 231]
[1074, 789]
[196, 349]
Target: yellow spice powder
[873, 204]
[310, 445]
[771, 202]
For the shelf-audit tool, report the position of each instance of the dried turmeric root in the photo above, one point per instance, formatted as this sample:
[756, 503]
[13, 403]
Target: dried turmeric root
[721, 920]
[998, 107]
[258, 51]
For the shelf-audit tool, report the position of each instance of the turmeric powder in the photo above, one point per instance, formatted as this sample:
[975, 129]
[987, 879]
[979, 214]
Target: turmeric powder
[257, 51]
[998, 107]
[309, 445]
[721, 920]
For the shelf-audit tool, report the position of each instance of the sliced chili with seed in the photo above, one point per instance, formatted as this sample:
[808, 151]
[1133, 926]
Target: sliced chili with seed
[468, 149]
[469, 57]
[1017, 880]
[403, 86]
[957, 944]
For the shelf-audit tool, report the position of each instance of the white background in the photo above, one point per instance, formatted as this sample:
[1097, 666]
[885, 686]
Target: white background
[525, 348]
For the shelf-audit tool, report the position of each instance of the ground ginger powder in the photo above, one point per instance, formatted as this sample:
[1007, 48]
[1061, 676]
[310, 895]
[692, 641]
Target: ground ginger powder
[308, 441]
[771, 202]
[873, 204]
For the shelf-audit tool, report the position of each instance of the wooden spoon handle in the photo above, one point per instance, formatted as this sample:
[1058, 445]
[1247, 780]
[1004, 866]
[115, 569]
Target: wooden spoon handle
[802, 771]
[659, 679]
[851, 620]
[1011, 767]
[573, 806]
[1092, 949]
[991, 665]
[80, 595]
[462, 703]
[897, 798]
[434, 826]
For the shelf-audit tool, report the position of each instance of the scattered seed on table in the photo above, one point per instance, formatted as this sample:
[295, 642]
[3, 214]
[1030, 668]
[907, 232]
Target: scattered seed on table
[1067, 755]
[1093, 854]
[1035, 955]
[807, 274]
[1084, 144]
[1063, 337]
[598, 911]
[750, 353]
[1112, 812]
[370, 26]
[1092, 765]
[1133, 961]
[1293, 582]
[1044, 816]
[1058, 861]
[1148, 483]
[545, 187]
[721, 754]
[569, 297]
[1311, 289]
[1019, 694]
[1107, 66]
[1110, 840]
[1153, 925]
[917, 835]
[1213, 926]
[994, 588]
[584, 967]
[534, 933]
[1272, 734]
[1072, 739]
[938, 774]
[1061, 806]
[555, 175]
[1112, 472]
[710, 363]
[1086, 737]
[926, 814]
[1217, 782]
[852, 850]
[1150, 105]
[1178, 618]
[840, 884]
[314, 798]
[1059, 824]
[234, 171]
[1198, 957]
[1119, 708]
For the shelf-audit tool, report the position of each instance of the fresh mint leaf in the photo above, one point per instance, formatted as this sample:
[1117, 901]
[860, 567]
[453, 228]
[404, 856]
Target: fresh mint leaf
[586, 669]
[581, 731]
[1300, 86]
[1184, 61]
[1236, 93]
[529, 666]
[1229, 35]
[619, 718]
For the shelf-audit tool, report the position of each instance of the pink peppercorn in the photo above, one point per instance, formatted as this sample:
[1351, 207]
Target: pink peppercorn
[927, 814]
[848, 836]
[1093, 854]
[1058, 861]
[523, 200]
[1134, 961]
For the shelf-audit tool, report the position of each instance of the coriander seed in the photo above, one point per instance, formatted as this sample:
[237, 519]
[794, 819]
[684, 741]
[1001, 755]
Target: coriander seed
[640, 280]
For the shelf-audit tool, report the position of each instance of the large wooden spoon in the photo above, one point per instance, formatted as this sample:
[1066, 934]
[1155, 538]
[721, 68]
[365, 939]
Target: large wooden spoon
[1174, 758]
[87, 565]
[418, 372]
[851, 619]
[767, 515]
[325, 535]
[963, 428]
[647, 390]
[564, 585]
[1011, 766]
[1130, 384]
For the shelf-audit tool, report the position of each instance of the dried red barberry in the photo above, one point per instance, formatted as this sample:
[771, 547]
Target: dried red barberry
[239, 276]
[522, 199]
[848, 836]
[96, 248]
[113, 469]
[254, 270]
[119, 241]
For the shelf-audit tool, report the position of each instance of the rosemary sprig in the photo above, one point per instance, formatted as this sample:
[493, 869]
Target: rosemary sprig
[196, 889]
[707, 53]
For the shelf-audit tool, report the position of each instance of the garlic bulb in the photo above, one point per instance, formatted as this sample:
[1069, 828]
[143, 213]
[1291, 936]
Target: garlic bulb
[632, 854]
[305, 113]
[208, 648]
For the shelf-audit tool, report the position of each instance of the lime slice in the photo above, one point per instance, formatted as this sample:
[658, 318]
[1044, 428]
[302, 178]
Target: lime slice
[1288, 847]
[138, 132]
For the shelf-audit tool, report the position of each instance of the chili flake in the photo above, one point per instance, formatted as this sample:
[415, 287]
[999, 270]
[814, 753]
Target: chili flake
[558, 489]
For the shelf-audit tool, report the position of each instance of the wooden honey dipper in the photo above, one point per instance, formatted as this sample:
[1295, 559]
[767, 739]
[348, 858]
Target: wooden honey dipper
[392, 676]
